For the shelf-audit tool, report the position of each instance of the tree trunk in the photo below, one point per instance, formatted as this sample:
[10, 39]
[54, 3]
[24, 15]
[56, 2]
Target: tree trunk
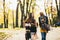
[56, 6]
[5, 19]
[7, 22]
[17, 15]
[58, 10]
[13, 19]
[22, 11]
[28, 7]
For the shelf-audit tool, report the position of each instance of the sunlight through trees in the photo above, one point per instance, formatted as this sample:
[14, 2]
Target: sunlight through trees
[13, 13]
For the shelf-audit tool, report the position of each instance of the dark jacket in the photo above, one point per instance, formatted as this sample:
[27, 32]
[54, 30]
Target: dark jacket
[40, 24]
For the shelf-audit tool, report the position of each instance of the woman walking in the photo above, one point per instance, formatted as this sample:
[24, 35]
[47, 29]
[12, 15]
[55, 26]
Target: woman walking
[42, 21]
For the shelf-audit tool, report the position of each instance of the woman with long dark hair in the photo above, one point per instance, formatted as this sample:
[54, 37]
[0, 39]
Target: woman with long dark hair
[31, 28]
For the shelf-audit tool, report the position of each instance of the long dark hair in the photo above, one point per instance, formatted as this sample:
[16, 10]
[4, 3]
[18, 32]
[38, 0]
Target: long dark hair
[30, 15]
[29, 18]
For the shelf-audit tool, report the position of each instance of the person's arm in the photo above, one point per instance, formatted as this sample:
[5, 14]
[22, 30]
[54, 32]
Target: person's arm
[39, 22]
[24, 24]
[25, 21]
[36, 24]
[46, 19]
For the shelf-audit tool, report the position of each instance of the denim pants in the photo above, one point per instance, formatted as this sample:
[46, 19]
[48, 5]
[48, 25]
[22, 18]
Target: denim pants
[43, 34]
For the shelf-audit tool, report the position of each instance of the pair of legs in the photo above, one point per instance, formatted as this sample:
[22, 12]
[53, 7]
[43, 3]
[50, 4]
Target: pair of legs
[33, 36]
[27, 35]
[43, 34]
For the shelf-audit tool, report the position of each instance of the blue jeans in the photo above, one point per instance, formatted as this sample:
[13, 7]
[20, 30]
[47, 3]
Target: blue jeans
[43, 34]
